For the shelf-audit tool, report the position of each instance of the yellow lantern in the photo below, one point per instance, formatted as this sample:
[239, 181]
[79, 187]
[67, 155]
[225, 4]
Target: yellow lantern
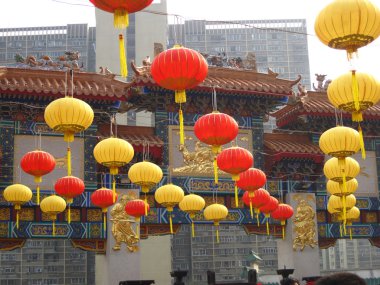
[69, 116]
[216, 212]
[348, 25]
[113, 153]
[53, 205]
[342, 204]
[330, 209]
[168, 196]
[332, 170]
[17, 194]
[146, 175]
[192, 204]
[335, 188]
[352, 215]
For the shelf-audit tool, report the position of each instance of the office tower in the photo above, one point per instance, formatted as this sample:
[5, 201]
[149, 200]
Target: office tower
[49, 41]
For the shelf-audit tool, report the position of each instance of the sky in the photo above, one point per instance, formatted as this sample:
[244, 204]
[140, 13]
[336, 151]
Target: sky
[28, 13]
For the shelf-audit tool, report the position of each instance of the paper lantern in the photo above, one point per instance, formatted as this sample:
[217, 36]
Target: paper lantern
[168, 196]
[68, 116]
[234, 160]
[69, 187]
[17, 194]
[179, 69]
[251, 180]
[268, 208]
[337, 189]
[103, 198]
[348, 25]
[216, 213]
[37, 163]
[146, 175]
[333, 171]
[136, 208]
[283, 213]
[53, 205]
[113, 153]
[192, 204]
[337, 202]
[260, 198]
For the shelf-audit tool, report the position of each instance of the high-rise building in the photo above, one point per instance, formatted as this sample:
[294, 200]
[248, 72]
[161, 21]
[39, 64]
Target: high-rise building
[49, 41]
[280, 45]
[44, 261]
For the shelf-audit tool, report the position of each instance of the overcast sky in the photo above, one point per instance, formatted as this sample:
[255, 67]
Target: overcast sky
[28, 13]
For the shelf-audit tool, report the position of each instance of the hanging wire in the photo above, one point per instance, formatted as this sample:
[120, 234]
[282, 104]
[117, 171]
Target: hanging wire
[72, 82]
[66, 83]
[213, 100]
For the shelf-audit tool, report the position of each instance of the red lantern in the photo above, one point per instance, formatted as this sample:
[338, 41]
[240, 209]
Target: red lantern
[103, 198]
[268, 208]
[177, 69]
[136, 208]
[251, 180]
[282, 213]
[37, 163]
[69, 187]
[234, 160]
[260, 198]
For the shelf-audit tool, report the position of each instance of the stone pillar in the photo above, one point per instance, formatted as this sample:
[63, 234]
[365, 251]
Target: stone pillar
[305, 262]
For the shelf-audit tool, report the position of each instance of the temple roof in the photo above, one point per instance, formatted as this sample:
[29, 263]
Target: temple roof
[283, 145]
[87, 85]
[316, 104]
[230, 80]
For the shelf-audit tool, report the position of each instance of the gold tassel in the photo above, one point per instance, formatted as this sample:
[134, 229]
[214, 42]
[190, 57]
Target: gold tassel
[113, 189]
[180, 96]
[120, 19]
[68, 136]
[217, 233]
[251, 208]
[362, 146]
[342, 165]
[340, 230]
[68, 161]
[267, 225]
[216, 171]
[146, 205]
[344, 212]
[283, 229]
[192, 229]
[357, 116]
[257, 218]
[17, 219]
[123, 57]
[236, 196]
[181, 127]
[53, 228]
[38, 194]
[171, 223]
[69, 215]
[350, 233]
[355, 91]
[105, 220]
[137, 227]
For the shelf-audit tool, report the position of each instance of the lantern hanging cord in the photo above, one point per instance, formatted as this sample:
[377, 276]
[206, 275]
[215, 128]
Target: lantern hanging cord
[72, 82]
[214, 103]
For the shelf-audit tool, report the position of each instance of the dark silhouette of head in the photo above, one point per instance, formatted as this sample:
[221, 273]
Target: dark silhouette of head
[342, 278]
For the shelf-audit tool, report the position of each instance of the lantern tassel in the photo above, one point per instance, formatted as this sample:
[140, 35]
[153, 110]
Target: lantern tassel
[357, 116]
[355, 91]
[171, 223]
[68, 161]
[53, 228]
[38, 194]
[217, 233]
[342, 165]
[216, 171]
[113, 189]
[283, 229]
[344, 213]
[69, 214]
[267, 223]
[123, 57]
[146, 205]
[257, 218]
[180, 96]
[236, 196]
[137, 227]
[341, 230]
[362, 146]
[251, 208]
[120, 19]
[17, 218]
[105, 222]
[192, 229]
[181, 127]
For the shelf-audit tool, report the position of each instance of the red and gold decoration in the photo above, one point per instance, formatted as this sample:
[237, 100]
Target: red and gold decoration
[168, 196]
[136, 208]
[348, 25]
[178, 69]
[68, 115]
[216, 213]
[146, 175]
[251, 180]
[17, 194]
[268, 208]
[113, 153]
[354, 92]
[260, 198]
[69, 187]
[103, 198]
[283, 213]
[234, 160]
[53, 205]
[121, 10]
[37, 163]
[192, 204]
